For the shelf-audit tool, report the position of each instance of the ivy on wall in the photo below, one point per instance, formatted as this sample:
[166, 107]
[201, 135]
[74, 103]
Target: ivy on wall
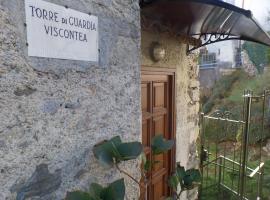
[110, 153]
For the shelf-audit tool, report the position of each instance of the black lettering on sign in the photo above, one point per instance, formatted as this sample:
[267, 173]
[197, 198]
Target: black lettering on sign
[44, 14]
[84, 24]
[46, 29]
[81, 23]
[55, 32]
[50, 16]
[38, 12]
[56, 17]
[64, 21]
[32, 10]
[65, 33]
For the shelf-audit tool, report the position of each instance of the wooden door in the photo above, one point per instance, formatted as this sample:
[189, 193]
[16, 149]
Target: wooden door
[157, 91]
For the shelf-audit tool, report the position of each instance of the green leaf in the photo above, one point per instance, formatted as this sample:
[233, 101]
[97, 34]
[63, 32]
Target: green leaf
[180, 172]
[187, 179]
[113, 151]
[194, 174]
[116, 140]
[106, 151]
[95, 191]
[78, 195]
[103, 154]
[129, 151]
[174, 182]
[188, 183]
[169, 198]
[115, 191]
[192, 177]
[161, 145]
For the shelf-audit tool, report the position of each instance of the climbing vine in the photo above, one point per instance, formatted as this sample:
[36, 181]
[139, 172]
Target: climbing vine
[111, 153]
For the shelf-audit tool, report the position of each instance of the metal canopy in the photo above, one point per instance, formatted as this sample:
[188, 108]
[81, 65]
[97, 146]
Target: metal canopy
[209, 20]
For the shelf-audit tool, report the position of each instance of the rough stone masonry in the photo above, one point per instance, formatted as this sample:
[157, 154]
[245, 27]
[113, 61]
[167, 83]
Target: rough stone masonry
[53, 111]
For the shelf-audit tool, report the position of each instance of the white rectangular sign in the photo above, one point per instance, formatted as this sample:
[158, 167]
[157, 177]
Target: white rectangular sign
[55, 31]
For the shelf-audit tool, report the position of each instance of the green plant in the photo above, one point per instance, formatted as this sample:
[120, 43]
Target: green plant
[110, 153]
[186, 179]
[114, 191]
[160, 145]
[221, 90]
[258, 54]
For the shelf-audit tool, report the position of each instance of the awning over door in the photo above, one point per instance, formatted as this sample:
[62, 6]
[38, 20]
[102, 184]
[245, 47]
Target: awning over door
[209, 20]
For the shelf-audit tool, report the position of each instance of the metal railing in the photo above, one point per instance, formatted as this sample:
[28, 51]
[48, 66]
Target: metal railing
[259, 170]
[224, 152]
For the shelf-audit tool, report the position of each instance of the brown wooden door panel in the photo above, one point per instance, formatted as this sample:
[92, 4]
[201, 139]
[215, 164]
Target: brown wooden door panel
[160, 96]
[146, 131]
[159, 188]
[157, 91]
[145, 98]
[160, 125]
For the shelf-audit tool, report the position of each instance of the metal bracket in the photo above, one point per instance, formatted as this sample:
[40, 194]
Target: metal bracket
[212, 38]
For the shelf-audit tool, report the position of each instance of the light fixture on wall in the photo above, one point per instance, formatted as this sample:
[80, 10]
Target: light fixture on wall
[158, 52]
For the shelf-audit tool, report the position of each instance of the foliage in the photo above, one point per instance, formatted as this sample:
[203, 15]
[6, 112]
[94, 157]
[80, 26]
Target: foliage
[218, 131]
[160, 145]
[221, 90]
[258, 54]
[114, 151]
[111, 152]
[114, 191]
[188, 180]
[233, 100]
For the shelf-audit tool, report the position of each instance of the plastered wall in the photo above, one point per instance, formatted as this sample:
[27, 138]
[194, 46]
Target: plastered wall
[187, 92]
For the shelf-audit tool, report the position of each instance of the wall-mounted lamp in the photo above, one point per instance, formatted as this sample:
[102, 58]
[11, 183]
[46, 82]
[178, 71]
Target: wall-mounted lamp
[158, 52]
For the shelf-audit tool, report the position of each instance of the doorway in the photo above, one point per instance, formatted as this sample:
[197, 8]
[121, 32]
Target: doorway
[157, 104]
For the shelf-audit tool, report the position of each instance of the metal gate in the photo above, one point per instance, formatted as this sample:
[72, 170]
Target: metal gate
[230, 168]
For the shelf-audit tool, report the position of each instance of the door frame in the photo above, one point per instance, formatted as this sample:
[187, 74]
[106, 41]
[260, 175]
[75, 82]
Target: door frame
[148, 70]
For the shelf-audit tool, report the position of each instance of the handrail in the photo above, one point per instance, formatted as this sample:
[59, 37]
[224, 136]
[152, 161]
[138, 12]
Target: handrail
[224, 119]
[232, 161]
[253, 171]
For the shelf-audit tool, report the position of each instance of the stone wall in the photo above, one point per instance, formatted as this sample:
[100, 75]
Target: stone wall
[53, 111]
[187, 92]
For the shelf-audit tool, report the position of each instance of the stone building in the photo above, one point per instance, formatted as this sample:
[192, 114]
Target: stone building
[53, 111]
